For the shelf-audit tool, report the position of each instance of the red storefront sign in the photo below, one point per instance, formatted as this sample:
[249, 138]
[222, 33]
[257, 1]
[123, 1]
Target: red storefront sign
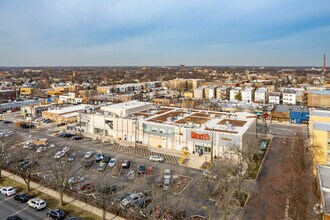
[204, 137]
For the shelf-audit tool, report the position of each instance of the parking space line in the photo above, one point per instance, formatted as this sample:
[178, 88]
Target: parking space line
[27, 207]
[5, 199]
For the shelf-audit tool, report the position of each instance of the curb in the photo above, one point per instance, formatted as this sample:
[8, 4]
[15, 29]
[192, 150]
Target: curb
[67, 199]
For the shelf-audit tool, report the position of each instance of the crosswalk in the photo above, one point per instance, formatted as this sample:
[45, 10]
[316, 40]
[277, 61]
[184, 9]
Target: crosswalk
[143, 152]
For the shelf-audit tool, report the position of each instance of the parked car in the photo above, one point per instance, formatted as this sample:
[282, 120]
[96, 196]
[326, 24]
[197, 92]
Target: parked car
[141, 169]
[7, 122]
[27, 126]
[106, 189]
[88, 163]
[156, 158]
[142, 203]
[47, 121]
[106, 159]
[41, 149]
[166, 185]
[72, 157]
[128, 201]
[56, 214]
[149, 170]
[126, 164]
[73, 218]
[98, 157]
[131, 174]
[21, 197]
[112, 162]
[66, 149]
[65, 135]
[38, 119]
[8, 190]
[37, 204]
[14, 217]
[88, 154]
[167, 174]
[59, 154]
[102, 167]
[86, 185]
[77, 138]
[75, 179]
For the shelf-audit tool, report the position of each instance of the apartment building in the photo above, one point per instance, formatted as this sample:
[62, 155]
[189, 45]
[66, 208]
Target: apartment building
[289, 97]
[210, 92]
[323, 188]
[319, 99]
[233, 94]
[248, 94]
[223, 93]
[171, 128]
[260, 95]
[319, 131]
[6, 95]
[199, 93]
[274, 98]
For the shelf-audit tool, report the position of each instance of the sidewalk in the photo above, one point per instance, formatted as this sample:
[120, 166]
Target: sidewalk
[66, 199]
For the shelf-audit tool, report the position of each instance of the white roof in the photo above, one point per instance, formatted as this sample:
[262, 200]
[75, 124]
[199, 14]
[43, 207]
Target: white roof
[128, 105]
[74, 108]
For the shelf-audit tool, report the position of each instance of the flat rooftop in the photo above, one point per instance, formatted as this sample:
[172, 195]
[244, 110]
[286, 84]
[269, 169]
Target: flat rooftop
[320, 92]
[324, 181]
[66, 110]
[127, 105]
[319, 113]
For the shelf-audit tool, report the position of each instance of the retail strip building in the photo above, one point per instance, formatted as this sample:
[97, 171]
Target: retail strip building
[196, 131]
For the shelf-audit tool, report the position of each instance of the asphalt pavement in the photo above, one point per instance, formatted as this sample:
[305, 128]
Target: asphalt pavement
[8, 207]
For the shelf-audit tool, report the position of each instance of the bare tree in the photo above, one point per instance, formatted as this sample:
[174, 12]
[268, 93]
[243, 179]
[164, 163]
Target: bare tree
[62, 171]
[26, 163]
[7, 144]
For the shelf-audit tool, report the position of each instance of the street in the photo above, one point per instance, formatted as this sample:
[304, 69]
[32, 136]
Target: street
[262, 203]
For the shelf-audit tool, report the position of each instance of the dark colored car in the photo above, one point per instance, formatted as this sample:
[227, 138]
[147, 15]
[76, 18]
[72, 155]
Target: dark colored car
[22, 197]
[107, 189]
[47, 121]
[14, 217]
[73, 218]
[7, 122]
[98, 157]
[141, 169]
[88, 163]
[27, 126]
[106, 159]
[76, 138]
[56, 214]
[126, 164]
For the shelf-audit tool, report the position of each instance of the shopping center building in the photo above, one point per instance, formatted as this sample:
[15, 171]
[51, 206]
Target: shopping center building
[196, 131]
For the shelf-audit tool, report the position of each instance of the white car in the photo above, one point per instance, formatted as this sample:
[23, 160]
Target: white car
[112, 162]
[40, 149]
[37, 204]
[59, 154]
[88, 154]
[7, 190]
[129, 200]
[167, 174]
[156, 158]
[66, 149]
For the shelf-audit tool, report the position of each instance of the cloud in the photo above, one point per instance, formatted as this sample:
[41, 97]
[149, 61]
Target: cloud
[196, 30]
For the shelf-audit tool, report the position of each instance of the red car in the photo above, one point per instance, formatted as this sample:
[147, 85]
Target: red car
[85, 186]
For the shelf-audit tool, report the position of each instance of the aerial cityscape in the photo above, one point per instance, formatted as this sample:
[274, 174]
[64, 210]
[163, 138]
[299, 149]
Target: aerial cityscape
[164, 110]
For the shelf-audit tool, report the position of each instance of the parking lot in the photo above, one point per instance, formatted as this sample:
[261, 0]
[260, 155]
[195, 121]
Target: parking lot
[9, 207]
[190, 199]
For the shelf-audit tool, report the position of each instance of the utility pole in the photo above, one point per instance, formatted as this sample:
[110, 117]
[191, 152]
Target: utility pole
[136, 129]
[212, 147]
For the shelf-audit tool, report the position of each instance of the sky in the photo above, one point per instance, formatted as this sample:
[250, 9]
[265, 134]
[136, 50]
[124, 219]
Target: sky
[164, 32]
